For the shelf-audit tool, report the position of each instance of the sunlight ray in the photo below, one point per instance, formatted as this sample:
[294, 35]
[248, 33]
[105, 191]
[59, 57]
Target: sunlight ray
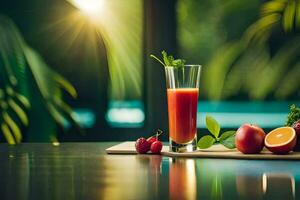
[122, 40]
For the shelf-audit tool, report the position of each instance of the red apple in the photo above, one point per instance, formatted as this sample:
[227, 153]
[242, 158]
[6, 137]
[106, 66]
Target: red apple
[249, 139]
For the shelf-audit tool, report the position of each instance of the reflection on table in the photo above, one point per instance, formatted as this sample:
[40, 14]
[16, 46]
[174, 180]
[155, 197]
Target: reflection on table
[83, 171]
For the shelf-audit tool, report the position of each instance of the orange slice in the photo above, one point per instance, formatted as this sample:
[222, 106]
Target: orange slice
[281, 140]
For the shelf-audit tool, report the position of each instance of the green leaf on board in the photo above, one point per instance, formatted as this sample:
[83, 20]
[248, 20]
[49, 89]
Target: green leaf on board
[227, 134]
[229, 142]
[206, 142]
[213, 126]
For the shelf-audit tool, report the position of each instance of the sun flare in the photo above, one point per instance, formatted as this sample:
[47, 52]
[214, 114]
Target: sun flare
[91, 8]
[120, 25]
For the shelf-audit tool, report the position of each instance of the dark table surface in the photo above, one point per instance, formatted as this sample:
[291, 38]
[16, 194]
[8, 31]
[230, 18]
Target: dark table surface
[83, 171]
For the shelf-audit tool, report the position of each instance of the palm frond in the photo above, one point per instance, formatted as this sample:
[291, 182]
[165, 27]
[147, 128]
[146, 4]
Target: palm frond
[19, 111]
[289, 16]
[275, 6]
[68, 113]
[270, 76]
[239, 79]
[49, 83]
[261, 27]
[218, 68]
[274, 13]
[7, 134]
[290, 83]
[15, 130]
[23, 100]
[297, 15]
[57, 116]
[17, 59]
[66, 85]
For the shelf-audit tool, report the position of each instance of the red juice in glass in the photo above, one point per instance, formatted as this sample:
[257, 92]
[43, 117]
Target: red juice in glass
[182, 91]
[182, 109]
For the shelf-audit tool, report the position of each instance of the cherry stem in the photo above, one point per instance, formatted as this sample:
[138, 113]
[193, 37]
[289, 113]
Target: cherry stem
[158, 133]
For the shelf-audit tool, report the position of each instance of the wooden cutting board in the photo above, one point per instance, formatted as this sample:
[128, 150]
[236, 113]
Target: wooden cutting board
[216, 151]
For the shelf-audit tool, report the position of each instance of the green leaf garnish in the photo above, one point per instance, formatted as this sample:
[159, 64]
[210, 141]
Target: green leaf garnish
[168, 60]
[293, 116]
[206, 142]
[156, 58]
[227, 139]
[213, 126]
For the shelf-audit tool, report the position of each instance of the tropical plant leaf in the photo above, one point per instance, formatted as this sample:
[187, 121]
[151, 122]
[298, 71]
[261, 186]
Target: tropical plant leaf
[11, 53]
[271, 75]
[239, 81]
[41, 73]
[289, 84]
[12, 69]
[66, 85]
[1, 94]
[297, 15]
[19, 111]
[13, 127]
[7, 65]
[289, 15]
[273, 6]
[261, 26]
[7, 134]
[17, 63]
[219, 67]
[57, 116]
[23, 100]
[47, 81]
[68, 113]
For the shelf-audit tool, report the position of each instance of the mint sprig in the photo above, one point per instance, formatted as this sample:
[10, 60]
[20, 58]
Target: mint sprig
[293, 116]
[227, 138]
[168, 60]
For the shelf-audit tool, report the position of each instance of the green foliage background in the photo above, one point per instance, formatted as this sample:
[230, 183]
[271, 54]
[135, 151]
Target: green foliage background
[249, 50]
[30, 92]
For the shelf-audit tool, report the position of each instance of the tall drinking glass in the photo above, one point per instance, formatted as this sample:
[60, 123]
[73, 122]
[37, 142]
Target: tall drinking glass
[182, 92]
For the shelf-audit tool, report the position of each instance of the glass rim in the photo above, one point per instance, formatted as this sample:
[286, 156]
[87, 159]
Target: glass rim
[190, 65]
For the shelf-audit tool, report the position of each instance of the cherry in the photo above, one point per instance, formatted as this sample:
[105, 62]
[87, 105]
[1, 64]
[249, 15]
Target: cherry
[152, 139]
[142, 145]
[156, 147]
